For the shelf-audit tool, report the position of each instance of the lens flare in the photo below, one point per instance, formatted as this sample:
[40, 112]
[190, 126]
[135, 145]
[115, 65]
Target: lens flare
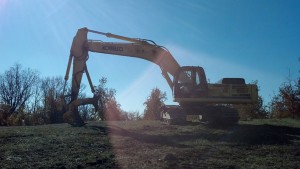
[2, 5]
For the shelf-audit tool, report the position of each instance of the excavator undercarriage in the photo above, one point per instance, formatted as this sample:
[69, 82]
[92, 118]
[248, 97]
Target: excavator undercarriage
[215, 115]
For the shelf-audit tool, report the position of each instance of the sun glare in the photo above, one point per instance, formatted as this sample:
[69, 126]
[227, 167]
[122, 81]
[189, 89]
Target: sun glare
[138, 83]
[2, 4]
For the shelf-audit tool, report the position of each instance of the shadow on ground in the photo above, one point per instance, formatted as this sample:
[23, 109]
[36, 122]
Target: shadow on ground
[241, 134]
[264, 135]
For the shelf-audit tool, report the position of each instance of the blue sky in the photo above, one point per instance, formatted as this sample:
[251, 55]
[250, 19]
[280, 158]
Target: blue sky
[254, 39]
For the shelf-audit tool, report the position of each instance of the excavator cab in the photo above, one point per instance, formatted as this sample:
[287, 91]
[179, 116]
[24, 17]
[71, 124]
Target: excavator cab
[190, 82]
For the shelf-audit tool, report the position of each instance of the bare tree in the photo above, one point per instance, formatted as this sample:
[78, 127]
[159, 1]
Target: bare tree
[35, 103]
[287, 102]
[153, 104]
[131, 115]
[113, 110]
[51, 94]
[16, 86]
[105, 96]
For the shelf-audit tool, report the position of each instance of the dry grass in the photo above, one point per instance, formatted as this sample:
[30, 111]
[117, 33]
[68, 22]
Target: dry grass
[151, 144]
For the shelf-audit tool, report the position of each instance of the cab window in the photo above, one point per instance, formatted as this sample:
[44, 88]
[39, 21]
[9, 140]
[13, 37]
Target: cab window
[197, 79]
[185, 77]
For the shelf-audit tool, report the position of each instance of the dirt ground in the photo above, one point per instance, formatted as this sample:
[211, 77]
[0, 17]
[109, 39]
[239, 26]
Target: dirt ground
[152, 144]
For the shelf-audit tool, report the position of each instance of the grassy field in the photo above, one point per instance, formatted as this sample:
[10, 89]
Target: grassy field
[152, 144]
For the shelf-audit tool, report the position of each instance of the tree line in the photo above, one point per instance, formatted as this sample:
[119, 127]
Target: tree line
[284, 104]
[26, 98]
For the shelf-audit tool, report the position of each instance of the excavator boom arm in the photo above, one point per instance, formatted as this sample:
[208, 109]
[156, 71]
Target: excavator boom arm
[149, 52]
[136, 48]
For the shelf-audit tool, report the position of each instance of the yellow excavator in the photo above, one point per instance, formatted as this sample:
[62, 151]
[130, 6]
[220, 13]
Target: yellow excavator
[188, 83]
